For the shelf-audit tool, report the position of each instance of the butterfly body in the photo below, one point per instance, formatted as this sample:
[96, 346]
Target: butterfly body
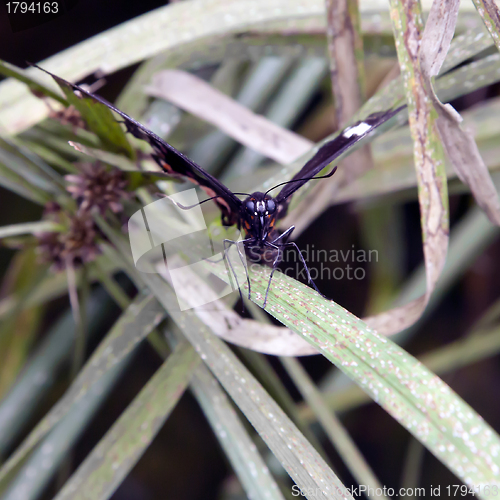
[257, 215]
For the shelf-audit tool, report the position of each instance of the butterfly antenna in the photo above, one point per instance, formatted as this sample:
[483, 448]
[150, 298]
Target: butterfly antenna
[183, 207]
[304, 179]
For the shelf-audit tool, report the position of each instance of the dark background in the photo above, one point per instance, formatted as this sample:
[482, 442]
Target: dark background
[81, 19]
[185, 461]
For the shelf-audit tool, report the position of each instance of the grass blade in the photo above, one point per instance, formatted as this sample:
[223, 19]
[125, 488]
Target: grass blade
[99, 118]
[28, 228]
[300, 460]
[413, 395]
[135, 323]
[115, 455]
[490, 13]
[53, 450]
[240, 449]
[334, 429]
[459, 144]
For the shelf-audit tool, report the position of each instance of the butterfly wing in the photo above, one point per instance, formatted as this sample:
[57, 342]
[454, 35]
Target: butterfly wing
[173, 162]
[333, 149]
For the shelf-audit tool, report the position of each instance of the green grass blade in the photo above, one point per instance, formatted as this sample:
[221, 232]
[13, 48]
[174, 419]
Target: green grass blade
[407, 390]
[52, 286]
[234, 439]
[135, 323]
[11, 71]
[100, 120]
[122, 446]
[28, 228]
[306, 467]
[46, 459]
[336, 432]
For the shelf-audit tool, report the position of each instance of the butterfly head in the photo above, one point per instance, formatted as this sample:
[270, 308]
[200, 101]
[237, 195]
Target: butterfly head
[258, 215]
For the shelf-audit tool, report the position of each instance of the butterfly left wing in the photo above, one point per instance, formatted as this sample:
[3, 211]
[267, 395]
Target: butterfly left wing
[170, 160]
[333, 149]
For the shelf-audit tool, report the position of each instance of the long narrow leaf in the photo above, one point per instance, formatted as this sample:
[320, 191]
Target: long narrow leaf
[118, 451]
[248, 464]
[134, 324]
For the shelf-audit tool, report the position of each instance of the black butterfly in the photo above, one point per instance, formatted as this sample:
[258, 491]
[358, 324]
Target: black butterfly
[258, 214]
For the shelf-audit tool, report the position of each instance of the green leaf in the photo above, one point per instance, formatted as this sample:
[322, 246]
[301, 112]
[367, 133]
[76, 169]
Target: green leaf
[12, 71]
[412, 394]
[334, 429]
[122, 446]
[29, 228]
[46, 460]
[135, 323]
[301, 461]
[99, 118]
[18, 331]
[233, 437]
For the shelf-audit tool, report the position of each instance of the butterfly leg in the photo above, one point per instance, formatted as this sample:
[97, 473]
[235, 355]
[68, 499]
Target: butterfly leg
[278, 258]
[284, 236]
[276, 262]
[243, 262]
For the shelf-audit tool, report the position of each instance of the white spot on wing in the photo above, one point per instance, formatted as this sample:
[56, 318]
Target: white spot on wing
[359, 129]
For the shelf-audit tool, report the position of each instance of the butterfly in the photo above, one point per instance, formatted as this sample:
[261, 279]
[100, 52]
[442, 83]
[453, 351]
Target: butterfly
[259, 212]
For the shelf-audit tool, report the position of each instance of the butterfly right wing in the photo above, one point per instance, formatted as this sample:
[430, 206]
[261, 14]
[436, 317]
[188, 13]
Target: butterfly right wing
[173, 162]
[332, 150]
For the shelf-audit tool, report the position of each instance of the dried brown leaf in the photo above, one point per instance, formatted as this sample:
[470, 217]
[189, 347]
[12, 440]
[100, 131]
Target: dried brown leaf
[459, 143]
[429, 163]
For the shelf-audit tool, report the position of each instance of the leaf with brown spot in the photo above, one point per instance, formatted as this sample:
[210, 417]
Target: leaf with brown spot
[429, 164]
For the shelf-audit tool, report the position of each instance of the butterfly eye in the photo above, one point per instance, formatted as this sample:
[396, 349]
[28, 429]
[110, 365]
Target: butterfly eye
[250, 206]
[271, 205]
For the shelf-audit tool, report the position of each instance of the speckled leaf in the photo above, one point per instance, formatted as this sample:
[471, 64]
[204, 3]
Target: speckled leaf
[301, 461]
[133, 325]
[115, 49]
[414, 396]
[429, 164]
[166, 29]
[417, 398]
[229, 325]
[118, 451]
[489, 11]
